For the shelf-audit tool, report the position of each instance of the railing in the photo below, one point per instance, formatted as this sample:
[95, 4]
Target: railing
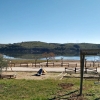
[52, 64]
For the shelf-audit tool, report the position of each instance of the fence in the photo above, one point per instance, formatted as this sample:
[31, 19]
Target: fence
[52, 64]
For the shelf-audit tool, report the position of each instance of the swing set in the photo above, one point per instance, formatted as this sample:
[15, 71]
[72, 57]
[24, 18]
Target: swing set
[83, 53]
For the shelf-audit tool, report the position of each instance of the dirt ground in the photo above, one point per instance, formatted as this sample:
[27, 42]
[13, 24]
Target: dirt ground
[32, 75]
[30, 72]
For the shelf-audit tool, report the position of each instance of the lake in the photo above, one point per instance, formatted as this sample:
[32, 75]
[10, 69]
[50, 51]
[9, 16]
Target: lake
[88, 58]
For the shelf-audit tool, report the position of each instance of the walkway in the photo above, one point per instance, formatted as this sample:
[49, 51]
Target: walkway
[48, 69]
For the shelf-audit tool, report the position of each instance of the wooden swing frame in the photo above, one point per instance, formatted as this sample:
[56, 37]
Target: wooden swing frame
[83, 53]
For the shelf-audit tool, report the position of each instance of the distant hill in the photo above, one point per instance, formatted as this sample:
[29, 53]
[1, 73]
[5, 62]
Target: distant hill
[37, 47]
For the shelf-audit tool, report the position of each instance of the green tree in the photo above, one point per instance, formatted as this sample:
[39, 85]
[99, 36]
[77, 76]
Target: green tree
[3, 63]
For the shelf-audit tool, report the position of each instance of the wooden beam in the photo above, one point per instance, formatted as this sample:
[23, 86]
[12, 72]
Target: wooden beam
[90, 51]
[81, 72]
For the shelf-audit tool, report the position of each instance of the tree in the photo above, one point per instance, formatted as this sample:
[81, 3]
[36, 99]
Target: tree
[48, 56]
[35, 59]
[3, 63]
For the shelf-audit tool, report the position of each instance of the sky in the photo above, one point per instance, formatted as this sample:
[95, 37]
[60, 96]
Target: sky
[51, 21]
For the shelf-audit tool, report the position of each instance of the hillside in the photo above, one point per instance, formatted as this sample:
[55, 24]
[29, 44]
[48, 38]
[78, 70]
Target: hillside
[37, 47]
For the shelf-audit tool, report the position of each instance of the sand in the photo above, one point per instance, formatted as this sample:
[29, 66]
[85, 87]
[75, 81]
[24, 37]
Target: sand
[32, 75]
[30, 72]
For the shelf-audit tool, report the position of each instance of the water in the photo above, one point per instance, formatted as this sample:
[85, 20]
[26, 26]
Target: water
[88, 58]
[9, 57]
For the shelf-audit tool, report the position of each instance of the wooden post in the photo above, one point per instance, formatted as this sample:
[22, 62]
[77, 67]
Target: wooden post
[85, 63]
[20, 64]
[96, 69]
[14, 64]
[35, 62]
[81, 72]
[32, 64]
[85, 70]
[75, 69]
[65, 69]
[85, 66]
[61, 64]
[47, 63]
[68, 64]
[53, 64]
[76, 64]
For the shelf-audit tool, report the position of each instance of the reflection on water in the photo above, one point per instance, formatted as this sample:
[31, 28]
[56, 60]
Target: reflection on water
[9, 57]
[88, 58]
[23, 56]
[39, 56]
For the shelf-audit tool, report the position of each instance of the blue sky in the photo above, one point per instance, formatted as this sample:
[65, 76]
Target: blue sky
[51, 21]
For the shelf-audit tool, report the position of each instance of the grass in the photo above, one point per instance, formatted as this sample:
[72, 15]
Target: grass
[13, 89]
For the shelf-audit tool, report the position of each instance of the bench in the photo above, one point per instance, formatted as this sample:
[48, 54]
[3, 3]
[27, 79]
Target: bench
[91, 69]
[7, 76]
[71, 70]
